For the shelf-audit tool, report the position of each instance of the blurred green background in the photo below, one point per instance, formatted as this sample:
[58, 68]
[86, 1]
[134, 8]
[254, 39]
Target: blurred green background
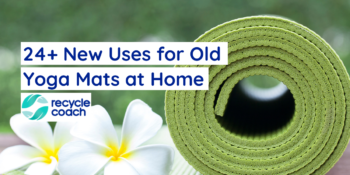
[143, 20]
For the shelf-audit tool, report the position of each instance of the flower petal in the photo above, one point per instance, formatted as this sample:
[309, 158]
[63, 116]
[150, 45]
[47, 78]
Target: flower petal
[37, 134]
[153, 159]
[120, 167]
[97, 129]
[42, 168]
[82, 157]
[18, 156]
[62, 133]
[140, 124]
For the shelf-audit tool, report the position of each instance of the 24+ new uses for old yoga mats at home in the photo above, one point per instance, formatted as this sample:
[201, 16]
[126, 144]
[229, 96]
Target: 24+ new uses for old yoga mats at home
[303, 131]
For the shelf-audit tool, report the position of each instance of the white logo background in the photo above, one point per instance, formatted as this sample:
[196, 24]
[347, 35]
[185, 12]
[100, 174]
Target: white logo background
[59, 96]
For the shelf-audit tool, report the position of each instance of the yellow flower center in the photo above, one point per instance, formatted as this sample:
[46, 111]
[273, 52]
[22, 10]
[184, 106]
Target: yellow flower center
[116, 153]
[49, 154]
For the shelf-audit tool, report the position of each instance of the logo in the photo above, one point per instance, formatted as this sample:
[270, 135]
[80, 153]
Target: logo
[35, 107]
[54, 107]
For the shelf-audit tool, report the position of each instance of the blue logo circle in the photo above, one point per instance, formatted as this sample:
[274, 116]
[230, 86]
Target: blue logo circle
[35, 114]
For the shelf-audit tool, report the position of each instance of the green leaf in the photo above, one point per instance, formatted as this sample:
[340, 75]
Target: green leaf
[42, 100]
[30, 100]
[27, 113]
[40, 113]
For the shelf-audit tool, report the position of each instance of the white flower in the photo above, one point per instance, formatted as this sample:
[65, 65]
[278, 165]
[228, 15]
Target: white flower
[42, 158]
[99, 150]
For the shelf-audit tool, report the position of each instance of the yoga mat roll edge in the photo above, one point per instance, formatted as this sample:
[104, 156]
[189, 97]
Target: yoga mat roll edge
[310, 143]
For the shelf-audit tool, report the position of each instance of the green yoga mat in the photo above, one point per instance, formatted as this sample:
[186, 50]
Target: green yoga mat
[304, 130]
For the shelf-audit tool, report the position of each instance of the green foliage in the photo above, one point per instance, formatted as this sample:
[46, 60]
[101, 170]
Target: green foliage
[21, 172]
[15, 172]
[5, 128]
[131, 20]
[262, 81]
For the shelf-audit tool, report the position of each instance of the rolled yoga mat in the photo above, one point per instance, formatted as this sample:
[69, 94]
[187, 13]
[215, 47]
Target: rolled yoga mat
[304, 130]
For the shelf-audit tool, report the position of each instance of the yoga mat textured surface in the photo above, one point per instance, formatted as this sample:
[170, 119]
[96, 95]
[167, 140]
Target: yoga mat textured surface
[311, 142]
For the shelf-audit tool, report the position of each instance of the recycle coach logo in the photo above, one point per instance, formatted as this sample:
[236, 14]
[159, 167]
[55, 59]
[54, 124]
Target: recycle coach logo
[35, 107]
